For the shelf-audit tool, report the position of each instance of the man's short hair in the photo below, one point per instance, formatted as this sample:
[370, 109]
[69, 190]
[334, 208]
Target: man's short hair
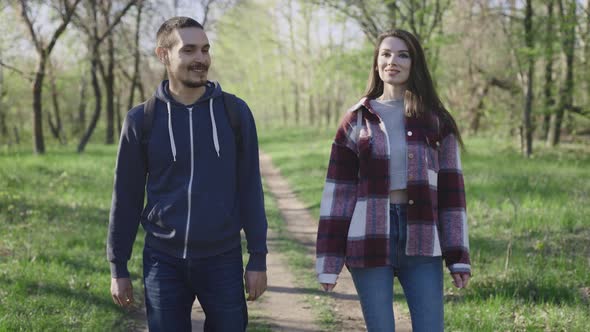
[164, 37]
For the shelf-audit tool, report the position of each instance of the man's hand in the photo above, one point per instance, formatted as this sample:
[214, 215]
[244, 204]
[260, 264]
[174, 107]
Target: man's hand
[460, 280]
[255, 284]
[328, 287]
[122, 291]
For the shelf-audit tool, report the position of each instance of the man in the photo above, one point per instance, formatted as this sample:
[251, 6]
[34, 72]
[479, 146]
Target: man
[203, 186]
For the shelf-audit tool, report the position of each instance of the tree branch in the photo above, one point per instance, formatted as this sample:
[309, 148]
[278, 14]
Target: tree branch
[24, 13]
[27, 76]
[116, 20]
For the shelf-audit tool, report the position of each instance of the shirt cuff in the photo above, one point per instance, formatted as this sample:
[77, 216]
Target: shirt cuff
[327, 278]
[257, 262]
[460, 268]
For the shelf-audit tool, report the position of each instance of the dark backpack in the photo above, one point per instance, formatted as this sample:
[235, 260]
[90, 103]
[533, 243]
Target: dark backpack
[230, 105]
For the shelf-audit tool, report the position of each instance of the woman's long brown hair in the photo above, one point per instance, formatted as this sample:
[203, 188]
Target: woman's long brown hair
[420, 99]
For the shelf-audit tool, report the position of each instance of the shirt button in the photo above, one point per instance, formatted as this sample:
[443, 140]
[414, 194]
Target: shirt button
[437, 143]
[409, 133]
[410, 155]
[411, 202]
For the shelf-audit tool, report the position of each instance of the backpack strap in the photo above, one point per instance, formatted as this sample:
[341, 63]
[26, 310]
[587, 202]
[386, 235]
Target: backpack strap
[231, 107]
[149, 108]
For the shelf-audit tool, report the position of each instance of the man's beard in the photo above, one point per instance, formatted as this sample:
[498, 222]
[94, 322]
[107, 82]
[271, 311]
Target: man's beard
[194, 84]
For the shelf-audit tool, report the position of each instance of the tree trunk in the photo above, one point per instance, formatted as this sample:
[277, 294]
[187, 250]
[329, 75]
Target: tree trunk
[526, 121]
[118, 111]
[39, 142]
[137, 58]
[81, 121]
[567, 90]
[587, 52]
[476, 113]
[3, 111]
[97, 103]
[296, 78]
[549, 100]
[56, 127]
[109, 84]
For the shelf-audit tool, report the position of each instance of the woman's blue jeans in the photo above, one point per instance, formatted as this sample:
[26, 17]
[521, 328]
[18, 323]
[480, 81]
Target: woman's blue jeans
[421, 278]
[172, 284]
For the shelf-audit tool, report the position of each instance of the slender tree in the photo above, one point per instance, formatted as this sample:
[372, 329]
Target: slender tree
[567, 13]
[549, 54]
[43, 50]
[91, 26]
[527, 125]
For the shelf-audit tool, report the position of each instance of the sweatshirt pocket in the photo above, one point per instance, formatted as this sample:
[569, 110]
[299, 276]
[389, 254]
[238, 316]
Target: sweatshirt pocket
[159, 220]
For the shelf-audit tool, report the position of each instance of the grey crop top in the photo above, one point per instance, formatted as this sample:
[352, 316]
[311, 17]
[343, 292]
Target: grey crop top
[391, 113]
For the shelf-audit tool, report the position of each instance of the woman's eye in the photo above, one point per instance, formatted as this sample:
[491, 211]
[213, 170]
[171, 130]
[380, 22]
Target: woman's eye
[404, 55]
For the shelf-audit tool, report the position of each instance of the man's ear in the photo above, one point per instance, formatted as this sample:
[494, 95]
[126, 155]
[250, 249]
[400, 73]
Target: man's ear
[162, 54]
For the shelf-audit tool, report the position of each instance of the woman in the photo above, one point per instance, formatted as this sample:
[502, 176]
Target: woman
[393, 202]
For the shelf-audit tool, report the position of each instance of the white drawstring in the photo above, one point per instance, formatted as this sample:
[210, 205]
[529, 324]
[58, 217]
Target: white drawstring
[172, 145]
[214, 126]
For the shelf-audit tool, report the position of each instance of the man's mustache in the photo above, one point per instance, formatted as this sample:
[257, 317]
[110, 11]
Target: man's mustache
[198, 66]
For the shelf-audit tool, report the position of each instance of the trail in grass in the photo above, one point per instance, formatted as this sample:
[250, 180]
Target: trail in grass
[282, 307]
[303, 228]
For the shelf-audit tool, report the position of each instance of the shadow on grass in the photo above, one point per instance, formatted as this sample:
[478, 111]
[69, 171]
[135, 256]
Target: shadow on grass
[25, 287]
[533, 291]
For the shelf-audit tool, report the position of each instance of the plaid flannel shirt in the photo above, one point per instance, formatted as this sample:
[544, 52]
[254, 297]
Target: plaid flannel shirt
[354, 212]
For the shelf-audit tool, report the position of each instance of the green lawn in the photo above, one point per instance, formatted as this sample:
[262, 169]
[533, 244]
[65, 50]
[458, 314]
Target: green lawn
[53, 220]
[54, 212]
[529, 229]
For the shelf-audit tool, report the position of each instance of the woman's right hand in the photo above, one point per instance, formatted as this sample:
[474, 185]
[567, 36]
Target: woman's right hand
[328, 287]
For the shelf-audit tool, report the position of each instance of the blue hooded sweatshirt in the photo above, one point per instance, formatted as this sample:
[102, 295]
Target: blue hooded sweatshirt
[199, 196]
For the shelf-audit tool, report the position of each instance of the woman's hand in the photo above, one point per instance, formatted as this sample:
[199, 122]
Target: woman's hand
[328, 287]
[460, 280]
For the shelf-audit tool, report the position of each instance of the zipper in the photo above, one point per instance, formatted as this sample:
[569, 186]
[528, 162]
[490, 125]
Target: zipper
[190, 182]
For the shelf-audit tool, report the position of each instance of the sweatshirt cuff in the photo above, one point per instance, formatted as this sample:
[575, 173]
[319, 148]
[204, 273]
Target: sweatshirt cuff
[119, 270]
[257, 262]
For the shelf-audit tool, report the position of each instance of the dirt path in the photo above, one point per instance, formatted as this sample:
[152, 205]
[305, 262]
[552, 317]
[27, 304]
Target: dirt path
[282, 307]
[303, 228]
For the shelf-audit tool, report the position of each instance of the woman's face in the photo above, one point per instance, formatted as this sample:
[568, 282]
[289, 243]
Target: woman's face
[394, 62]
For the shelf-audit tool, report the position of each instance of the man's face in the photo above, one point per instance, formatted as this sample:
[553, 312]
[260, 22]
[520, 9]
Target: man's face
[188, 60]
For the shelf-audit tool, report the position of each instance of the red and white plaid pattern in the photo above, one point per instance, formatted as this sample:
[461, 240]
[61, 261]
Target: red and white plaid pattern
[354, 213]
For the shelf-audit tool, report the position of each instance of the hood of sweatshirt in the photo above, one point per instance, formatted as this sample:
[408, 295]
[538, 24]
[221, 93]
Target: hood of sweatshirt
[212, 91]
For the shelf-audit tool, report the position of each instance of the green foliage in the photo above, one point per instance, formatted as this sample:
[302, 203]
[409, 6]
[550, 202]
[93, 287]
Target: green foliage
[529, 230]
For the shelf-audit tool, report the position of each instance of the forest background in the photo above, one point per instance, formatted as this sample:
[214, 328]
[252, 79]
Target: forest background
[514, 74]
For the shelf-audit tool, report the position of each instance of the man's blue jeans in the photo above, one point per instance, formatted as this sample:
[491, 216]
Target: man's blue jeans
[172, 284]
[421, 278]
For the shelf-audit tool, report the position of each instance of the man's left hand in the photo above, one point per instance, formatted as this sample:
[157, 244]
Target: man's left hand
[255, 284]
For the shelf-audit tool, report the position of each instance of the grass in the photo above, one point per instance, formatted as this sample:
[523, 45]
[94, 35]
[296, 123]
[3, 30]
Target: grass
[54, 212]
[529, 229]
[53, 218]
